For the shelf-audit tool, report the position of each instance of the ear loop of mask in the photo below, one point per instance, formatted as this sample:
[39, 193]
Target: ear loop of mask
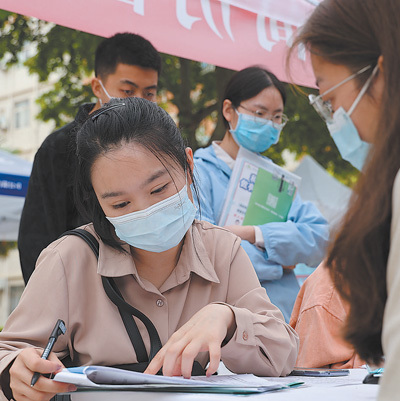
[362, 91]
[186, 186]
[229, 123]
[105, 91]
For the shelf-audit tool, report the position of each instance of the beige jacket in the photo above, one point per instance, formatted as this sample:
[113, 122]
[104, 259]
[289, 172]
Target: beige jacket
[212, 267]
[389, 388]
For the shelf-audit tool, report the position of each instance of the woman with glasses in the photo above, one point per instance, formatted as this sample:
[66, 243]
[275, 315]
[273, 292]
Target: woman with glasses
[252, 110]
[354, 47]
[319, 313]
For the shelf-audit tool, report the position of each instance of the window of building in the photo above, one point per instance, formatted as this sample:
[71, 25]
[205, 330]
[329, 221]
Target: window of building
[3, 121]
[15, 295]
[22, 115]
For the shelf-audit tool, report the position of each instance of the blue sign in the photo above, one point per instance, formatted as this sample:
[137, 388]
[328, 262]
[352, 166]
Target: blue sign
[13, 185]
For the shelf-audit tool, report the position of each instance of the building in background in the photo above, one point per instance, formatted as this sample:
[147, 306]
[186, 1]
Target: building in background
[22, 133]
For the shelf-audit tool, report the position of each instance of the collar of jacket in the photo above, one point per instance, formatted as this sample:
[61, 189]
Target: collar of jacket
[83, 112]
[208, 155]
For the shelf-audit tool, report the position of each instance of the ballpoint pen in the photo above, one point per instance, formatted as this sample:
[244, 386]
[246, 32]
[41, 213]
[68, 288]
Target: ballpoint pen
[59, 329]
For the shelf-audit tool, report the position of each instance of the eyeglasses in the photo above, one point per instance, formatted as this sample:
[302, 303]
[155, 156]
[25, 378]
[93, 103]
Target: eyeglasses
[324, 107]
[278, 120]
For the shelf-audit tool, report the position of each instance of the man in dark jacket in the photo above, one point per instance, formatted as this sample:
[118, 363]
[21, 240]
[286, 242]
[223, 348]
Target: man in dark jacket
[126, 65]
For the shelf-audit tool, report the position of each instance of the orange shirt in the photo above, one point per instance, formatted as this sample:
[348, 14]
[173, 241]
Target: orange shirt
[318, 317]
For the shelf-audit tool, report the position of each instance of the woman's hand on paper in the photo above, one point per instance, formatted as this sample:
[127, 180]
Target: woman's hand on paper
[246, 233]
[29, 361]
[205, 331]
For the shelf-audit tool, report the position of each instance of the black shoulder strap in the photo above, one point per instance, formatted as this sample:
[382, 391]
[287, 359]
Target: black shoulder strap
[126, 311]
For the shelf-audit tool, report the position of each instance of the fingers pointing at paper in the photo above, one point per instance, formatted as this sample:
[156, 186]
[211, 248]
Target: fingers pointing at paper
[205, 331]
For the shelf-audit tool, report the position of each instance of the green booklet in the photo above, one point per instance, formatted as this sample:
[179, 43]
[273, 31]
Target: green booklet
[259, 191]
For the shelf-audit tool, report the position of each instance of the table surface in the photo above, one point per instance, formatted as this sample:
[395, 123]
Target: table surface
[314, 388]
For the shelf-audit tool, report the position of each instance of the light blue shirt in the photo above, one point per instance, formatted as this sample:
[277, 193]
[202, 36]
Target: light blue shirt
[301, 239]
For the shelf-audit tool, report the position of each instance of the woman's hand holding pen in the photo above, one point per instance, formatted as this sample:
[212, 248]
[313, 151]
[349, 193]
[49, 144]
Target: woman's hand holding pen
[29, 361]
[205, 331]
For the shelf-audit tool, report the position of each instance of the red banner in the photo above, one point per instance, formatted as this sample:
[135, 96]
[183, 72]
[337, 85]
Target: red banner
[212, 31]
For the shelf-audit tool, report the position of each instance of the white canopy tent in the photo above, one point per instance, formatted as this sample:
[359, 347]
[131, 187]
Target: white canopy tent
[326, 192]
[329, 195]
[14, 177]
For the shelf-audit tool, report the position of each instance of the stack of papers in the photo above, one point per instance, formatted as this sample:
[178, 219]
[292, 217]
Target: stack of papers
[105, 378]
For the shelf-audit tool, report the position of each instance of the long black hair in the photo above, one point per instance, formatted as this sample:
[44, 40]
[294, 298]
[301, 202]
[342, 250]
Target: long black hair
[119, 122]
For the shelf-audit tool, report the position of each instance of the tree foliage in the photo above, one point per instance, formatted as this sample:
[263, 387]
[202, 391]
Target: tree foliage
[65, 57]
[196, 89]
[6, 247]
[193, 89]
[62, 55]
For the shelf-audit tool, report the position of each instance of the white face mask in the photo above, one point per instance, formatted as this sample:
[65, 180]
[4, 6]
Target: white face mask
[159, 227]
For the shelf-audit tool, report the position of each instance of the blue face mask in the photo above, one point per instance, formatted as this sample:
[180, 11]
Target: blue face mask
[159, 227]
[254, 133]
[344, 133]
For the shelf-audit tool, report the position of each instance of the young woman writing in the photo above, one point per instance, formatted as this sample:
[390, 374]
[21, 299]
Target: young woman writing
[190, 278]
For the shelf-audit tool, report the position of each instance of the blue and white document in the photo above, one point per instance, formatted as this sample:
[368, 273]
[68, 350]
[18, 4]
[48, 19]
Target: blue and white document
[105, 378]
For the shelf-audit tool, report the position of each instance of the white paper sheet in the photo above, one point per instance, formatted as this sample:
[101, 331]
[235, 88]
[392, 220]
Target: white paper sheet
[101, 377]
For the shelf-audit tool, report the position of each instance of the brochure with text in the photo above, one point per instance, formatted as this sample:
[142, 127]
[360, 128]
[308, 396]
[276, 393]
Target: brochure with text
[259, 191]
